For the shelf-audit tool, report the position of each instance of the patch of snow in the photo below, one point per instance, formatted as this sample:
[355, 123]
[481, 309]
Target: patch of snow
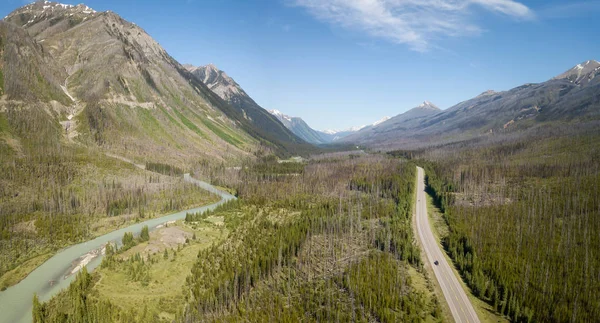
[382, 120]
[425, 103]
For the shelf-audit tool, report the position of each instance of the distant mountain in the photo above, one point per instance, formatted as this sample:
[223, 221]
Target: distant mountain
[338, 135]
[304, 131]
[406, 120]
[382, 120]
[572, 96]
[301, 129]
[231, 92]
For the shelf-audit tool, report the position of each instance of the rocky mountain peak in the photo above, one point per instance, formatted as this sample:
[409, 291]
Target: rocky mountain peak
[581, 73]
[428, 105]
[40, 10]
[217, 80]
[486, 93]
[280, 115]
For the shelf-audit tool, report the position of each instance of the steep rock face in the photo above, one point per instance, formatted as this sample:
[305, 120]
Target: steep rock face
[573, 96]
[232, 93]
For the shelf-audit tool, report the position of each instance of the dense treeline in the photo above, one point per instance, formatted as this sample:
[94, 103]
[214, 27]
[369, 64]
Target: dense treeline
[321, 246]
[227, 206]
[379, 283]
[524, 225]
[164, 169]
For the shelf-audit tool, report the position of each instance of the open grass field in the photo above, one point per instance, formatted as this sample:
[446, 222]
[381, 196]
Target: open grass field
[164, 293]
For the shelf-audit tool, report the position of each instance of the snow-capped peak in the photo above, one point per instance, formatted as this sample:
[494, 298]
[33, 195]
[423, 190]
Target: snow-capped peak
[276, 112]
[427, 105]
[581, 72]
[52, 5]
[40, 10]
[382, 120]
[280, 114]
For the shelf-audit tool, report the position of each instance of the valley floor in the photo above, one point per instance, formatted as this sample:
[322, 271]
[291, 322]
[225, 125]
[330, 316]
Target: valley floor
[290, 250]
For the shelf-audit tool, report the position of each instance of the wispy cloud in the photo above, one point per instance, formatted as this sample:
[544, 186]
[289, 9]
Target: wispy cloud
[415, 23]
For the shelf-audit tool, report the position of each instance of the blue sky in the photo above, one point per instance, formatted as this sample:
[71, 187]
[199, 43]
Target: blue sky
[342, 63]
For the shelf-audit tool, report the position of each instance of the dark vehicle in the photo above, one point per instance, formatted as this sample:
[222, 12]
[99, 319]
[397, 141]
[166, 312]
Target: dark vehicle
[436, 262]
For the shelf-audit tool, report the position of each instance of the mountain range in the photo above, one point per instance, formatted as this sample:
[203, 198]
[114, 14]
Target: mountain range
[106, 83]
[571, 97]
[230, 91]
[299, 127]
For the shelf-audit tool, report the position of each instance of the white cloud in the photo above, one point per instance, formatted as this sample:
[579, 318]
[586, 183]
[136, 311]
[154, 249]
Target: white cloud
[412, 22]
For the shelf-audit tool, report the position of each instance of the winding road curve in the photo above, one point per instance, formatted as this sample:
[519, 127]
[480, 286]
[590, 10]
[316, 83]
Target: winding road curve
[55, 274]
[460, 306]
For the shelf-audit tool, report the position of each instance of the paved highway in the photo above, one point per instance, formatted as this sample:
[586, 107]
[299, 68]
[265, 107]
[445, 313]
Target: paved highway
[460, 306]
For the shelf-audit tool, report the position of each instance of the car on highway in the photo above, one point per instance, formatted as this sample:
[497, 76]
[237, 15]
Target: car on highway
[436, 262]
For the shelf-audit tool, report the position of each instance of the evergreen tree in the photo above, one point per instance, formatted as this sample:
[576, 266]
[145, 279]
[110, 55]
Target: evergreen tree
[38, 310]
[145, 235]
